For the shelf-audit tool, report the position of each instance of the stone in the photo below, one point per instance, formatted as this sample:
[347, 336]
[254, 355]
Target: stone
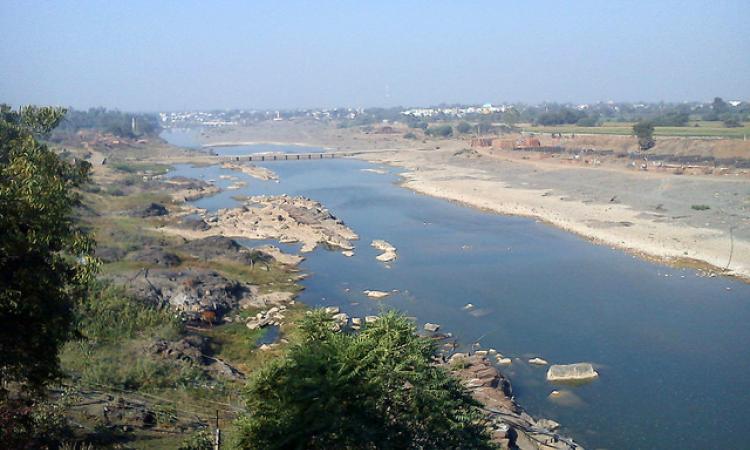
[504, 361]
[376, 294]
[348, 253]
[152, 210]
[431, 327]
[341, 317]
[332, 309]
[548, 424]
[538, 362]
[571, 372]
[371, 319]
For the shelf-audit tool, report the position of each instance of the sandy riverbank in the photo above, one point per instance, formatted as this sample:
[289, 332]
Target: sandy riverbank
[649, 215]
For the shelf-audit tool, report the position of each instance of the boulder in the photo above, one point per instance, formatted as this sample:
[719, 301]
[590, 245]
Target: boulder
[538, 362]
[431, 327]
[152, 210]
[376, 294]
[156, 256]
[571, 372]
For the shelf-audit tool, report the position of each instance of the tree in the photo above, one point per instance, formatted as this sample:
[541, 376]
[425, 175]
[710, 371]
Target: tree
[463, 127]
[373, 389]
[644, 131]
[511, 116]
[719, 105]
[440, 131]
[45, 256]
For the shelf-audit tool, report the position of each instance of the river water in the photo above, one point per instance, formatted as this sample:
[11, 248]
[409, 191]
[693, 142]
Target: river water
[671, 348]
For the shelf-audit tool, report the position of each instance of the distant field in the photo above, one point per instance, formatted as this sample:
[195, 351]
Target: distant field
[704, 129]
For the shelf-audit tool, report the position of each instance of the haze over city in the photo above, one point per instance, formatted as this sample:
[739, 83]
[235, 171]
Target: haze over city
[155, 56]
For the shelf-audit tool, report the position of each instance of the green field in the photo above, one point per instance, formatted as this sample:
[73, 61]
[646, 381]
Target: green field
[704, 129]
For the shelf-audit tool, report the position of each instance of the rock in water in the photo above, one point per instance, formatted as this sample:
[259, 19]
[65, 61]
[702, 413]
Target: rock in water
[431, 327]
[571, 372]
[538, 361]
[376, 294]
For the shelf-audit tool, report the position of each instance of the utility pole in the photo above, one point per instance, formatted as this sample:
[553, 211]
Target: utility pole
[217, 434]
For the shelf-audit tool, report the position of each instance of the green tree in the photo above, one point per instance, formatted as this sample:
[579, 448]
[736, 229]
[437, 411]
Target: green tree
[463, 127]
[511, 116]
[440, 131]
[375, 389]
[644, 131]
[46, 258]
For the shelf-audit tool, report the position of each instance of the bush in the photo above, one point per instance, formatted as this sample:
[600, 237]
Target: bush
[701, 207]
[200, 440]
[375, 389]
[440, 131]
[463, 127]
[410, 135]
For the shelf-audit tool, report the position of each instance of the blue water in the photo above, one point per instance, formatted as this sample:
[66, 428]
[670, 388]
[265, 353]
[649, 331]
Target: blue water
[671, 348]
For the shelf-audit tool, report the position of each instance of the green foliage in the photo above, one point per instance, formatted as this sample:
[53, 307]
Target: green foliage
[644, 131]
[463, 127]
[374, 389]
[45, 256]
[588, 121]
[410, 135]
[114, 333]
[671, 120]
[731, 120]
[200, 440]
[440, 131]
[110, 121]
[108, 314]
[700, 207]
[34, 424]
[565, 115]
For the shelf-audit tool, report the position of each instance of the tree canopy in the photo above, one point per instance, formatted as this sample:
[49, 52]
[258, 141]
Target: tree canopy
[644, 131]
[377, 388]
[45, 256]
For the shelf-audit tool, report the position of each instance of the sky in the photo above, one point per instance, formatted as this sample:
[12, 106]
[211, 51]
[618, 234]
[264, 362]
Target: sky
[196, 55]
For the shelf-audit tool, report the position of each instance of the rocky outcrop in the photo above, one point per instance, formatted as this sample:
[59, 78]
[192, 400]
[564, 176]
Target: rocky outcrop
[154, 256]
[286, 219]
[184, 189]
[221, 247]
[152, 210]
[190, 291]
[511, 426]
[389, 251]
[254, 171]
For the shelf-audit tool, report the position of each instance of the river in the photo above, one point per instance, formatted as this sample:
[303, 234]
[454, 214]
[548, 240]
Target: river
[671, 348]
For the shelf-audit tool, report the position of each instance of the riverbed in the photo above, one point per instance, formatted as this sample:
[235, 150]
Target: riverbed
[671, 347]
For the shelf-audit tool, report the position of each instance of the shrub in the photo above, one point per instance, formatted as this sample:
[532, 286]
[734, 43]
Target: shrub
[440, 131]
[373, 389]
[701, 207]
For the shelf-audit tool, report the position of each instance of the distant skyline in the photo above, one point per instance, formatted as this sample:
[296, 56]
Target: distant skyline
[189, 55]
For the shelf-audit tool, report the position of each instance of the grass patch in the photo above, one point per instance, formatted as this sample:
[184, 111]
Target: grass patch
[268, 277]
[700, 207]
[141, 168]
[115, 331]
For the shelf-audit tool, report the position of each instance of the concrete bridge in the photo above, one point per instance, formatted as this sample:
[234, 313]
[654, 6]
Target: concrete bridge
[286, 156]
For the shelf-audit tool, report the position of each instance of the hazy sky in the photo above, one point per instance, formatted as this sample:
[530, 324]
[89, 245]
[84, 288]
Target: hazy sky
[176, 55]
